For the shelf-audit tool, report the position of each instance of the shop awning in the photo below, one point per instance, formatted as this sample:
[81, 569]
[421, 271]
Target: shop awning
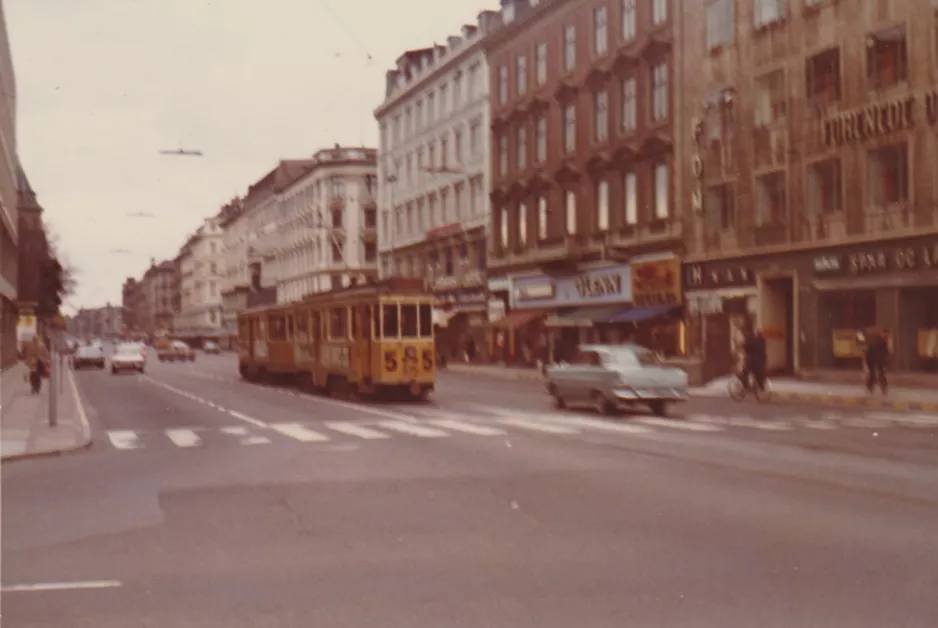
[639, 314]
[584, 316]
[518, 318]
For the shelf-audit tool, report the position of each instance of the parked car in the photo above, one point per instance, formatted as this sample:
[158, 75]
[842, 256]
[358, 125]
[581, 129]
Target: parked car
[128, 357]
[211, 348]
[176, 351]
[610, 377]
[88, 355]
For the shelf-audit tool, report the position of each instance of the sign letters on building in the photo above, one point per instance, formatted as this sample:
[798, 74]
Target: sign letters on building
[599, 285]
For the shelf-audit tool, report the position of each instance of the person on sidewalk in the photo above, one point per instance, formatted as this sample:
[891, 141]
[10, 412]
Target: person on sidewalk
[755, 360]
[877, 352]
[37, 361]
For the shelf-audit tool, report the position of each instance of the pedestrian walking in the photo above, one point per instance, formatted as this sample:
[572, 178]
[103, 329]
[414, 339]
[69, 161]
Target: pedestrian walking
[37, 362]
[877, 352]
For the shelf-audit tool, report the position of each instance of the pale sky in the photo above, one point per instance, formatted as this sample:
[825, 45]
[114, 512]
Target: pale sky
[103, 85]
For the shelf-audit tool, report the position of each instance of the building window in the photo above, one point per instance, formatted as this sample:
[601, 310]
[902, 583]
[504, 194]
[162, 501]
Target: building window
[457, 89]
[431, 107]
[602, 205]
[337, 253]
[474, 143]
[887, 175]
[600, 30]
[541, 139]
[521, 74]
[659, 92]
[631, 199]
[444, 100]
[629, 113]
[659, 11]
[503, 155]
[457, 145]
[824, 187]
[541, 63]
[522, 224]
[720, 130]
[541, 218]
[766, 12]
[503, 235]
[569, 48]
[569, 128]
[371, 252]
[571, 212]
[601, 115]
[822, 74]
[720, 208]
[770, 99]
[503, 84]
[662, 187]
[886, 58]
[770, 200]
[721, 23]
[522, 147]
[628, 19]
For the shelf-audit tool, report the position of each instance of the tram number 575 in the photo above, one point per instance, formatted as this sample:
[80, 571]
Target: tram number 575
[390, 361]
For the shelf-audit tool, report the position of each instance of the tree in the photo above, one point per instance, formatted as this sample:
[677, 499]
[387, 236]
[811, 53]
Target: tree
[57, 280]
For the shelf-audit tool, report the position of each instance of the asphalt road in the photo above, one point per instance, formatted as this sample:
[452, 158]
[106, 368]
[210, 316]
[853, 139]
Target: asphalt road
[206, 501]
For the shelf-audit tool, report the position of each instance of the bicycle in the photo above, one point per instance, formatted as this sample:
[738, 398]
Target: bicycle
[738, 390]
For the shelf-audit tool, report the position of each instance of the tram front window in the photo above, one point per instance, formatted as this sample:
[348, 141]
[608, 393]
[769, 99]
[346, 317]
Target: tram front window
[409, 320]
[390, 323]
[426, 320]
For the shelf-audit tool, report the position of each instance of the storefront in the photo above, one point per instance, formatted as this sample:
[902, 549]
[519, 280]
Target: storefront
[811, 305]
[459, 322]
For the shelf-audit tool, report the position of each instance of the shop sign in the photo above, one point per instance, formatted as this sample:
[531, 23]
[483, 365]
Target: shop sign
[869, 122]
[901, 258]
[656, 282]
[473, 277]
[499, 284]
[496, 309]
[474, 297]
[698, 276]
[598, 286]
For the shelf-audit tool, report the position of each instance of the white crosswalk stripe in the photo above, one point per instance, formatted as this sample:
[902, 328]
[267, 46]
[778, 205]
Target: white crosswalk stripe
[124, 439]
[353, 429]
[414, 429]
[298, 432]
[679, 424]
[603, 426]
[184, 437]
[537, 425]
[464, 426]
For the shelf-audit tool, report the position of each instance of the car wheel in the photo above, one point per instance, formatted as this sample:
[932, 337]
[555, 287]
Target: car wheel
[113, 371]
[559, 403]
[601, 404]
[658, 407]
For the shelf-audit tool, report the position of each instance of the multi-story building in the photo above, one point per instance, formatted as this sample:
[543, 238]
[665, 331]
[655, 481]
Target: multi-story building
[157, 290]
[233, 293]
[326, 236]
[200, 258]
[33, 252]
[588, 221]
[8, 202]
[813, 180]
[434, 177]
[99, 322]
[130, 307]
[244, 230]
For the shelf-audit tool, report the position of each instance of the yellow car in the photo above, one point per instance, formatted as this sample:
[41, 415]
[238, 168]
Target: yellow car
[176, 351]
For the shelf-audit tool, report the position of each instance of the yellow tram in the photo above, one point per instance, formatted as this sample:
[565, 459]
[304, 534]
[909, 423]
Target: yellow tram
[366, 339]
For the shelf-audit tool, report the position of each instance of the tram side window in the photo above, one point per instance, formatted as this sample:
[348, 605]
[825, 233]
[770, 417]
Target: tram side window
[289, 320]
[376, 320]
[363, 319]
[315, 325]
[338, 323]
[390, 325]
[426, 320]
[302, 326]
[408, 320]
[278, 328]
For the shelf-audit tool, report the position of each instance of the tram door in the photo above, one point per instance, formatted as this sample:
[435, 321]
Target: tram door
[364, 342]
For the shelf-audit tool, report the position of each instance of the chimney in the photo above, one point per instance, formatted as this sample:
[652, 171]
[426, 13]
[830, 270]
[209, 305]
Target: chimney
[453, 42]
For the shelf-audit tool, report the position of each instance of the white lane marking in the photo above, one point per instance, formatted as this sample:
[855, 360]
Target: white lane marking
[918, 420]
[184, 437]
[255, 440]
[469, 428]
[82, 417]
[246, 418]
[597, 424]
[124, 439]
[759, 424]
[865, 423]
[235, 430]
[61, 586]
[298, 432]
[679, 425]
[537, 425]
[346, 427]
[414, 429]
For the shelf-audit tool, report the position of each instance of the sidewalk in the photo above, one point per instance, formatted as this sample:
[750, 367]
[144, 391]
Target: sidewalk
[24, 417]
[853, 395]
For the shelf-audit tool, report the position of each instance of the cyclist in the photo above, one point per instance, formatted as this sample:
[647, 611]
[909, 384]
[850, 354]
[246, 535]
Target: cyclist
[754, 363]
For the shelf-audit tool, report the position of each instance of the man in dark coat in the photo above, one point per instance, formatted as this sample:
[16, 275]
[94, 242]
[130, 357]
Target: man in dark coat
[755, 359]
[877, 352]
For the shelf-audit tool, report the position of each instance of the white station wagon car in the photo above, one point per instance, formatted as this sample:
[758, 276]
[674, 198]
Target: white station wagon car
[610, 377]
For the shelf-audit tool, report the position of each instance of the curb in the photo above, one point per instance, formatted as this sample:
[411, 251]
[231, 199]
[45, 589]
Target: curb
[862, 402]
[520, 377]
[85, 443]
